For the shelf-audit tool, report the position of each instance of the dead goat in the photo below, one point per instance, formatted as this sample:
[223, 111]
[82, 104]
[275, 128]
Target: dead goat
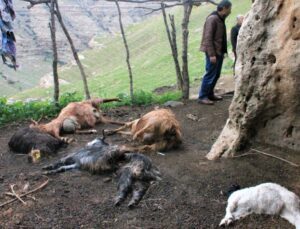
[75, 117]
[267, 198]
[137, 172]
[157, 130]
[35, 143]
[98, 157]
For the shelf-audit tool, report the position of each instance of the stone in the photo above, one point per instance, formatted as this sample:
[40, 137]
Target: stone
[173, 104]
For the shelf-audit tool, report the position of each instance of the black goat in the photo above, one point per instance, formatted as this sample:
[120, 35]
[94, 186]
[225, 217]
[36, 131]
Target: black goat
[98, 157]
[34, 142]
[139, 172]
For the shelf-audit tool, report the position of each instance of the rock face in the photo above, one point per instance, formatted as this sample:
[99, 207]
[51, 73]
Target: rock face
[266, 105]
[85, 21]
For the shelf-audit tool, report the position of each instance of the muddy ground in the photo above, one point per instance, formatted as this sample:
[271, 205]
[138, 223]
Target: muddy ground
[187, 197]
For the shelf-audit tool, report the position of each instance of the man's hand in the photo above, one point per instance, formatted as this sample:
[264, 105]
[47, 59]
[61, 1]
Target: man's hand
[213, 59]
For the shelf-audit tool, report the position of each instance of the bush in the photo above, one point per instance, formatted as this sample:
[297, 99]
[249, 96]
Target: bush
[35, 110]
[142, 98]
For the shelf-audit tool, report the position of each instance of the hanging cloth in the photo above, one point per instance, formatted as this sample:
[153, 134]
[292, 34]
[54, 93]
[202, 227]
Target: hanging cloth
[8, 49]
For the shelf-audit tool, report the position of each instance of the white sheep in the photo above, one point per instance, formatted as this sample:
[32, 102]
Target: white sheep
[267, 198]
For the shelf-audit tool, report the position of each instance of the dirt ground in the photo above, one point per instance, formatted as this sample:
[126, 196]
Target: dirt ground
[187, 197]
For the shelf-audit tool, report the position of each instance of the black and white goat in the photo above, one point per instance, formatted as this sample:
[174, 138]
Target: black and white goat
[96, 157]
[138, 172]
[135, 170]
[34, 143]
[267, 198]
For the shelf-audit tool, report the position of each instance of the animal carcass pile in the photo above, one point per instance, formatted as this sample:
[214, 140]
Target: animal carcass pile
[135, 171]
[45, 139]
[156, 130]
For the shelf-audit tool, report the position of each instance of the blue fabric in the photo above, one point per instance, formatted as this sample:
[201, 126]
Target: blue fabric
[210, 78]
[8, 44]
[7, 16]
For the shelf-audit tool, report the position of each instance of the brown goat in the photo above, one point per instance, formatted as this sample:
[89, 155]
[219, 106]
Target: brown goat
[75, 117]
[158, 130]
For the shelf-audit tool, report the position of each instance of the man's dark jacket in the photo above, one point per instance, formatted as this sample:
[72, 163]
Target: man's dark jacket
[214, 40]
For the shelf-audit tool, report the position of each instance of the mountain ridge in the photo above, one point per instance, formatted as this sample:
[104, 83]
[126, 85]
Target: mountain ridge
[84, 20]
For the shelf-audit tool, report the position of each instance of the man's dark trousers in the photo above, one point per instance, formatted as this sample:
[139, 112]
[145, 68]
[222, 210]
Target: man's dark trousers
[209, 81]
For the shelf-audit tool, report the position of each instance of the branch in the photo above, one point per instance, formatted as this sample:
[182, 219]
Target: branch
[144, 1]
[27, 193]
[36, 2]
[279, 158]
[152, 10]
[15, 194]
[266, 154]
[180, 3]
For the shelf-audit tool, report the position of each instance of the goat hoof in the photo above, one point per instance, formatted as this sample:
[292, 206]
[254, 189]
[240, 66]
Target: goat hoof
[131, 205]
[93, 131]
[48, 172]
[107, 179]
[68, 140]
[226, 222]
[118, 201]
[108, 132]
[48, 167]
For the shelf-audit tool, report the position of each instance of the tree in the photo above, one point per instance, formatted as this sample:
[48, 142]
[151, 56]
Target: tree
[187, 9]
[56, 11]
[173, 44]
[54, 47]
[127, 50]
[182, 73]
[266, 105]
[74, 51]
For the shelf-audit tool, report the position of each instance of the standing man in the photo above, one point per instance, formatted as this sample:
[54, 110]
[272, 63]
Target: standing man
[214, 44]
[234, 35]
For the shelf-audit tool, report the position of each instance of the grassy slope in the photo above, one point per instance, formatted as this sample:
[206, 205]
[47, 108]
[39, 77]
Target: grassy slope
[26, 76]
[150, 56]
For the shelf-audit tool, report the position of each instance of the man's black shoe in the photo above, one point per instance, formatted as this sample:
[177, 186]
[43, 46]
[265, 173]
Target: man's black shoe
[205, 101]
[215, 98]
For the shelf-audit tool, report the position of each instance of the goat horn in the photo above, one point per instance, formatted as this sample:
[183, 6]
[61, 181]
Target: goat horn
[40, 119]
[33, 121]
[99, 100]
[103, 135]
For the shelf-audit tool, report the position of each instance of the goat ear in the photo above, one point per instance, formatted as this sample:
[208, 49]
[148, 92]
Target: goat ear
[96, 102]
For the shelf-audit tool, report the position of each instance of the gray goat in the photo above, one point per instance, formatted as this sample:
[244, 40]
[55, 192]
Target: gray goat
[135, 171]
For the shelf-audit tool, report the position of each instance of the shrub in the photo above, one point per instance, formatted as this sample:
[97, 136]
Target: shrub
[35, 110]
[142, 98]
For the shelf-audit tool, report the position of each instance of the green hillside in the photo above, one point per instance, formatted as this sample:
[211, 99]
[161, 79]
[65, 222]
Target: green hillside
[150, 57]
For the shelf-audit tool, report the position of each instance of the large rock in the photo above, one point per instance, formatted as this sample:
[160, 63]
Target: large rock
[266, 105]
